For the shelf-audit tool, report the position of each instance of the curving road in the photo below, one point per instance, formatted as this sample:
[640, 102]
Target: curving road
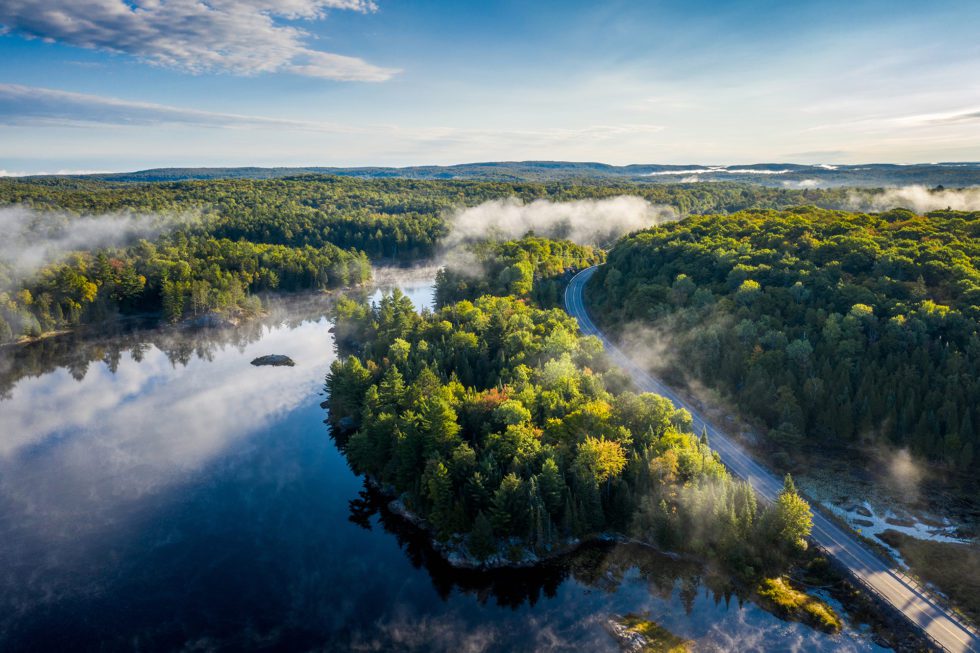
[937, 622]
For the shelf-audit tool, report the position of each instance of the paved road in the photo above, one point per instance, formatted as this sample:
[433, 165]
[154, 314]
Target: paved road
[937, 622]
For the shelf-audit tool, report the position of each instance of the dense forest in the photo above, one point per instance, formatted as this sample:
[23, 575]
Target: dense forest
[828, 327]
[399, 219]
[504, 428]
[303, 232]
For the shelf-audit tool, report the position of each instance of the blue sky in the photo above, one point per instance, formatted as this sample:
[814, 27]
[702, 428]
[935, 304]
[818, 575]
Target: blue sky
[108, 85]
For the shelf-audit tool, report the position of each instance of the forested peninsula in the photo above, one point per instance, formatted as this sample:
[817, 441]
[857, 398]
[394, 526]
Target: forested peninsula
[508, 433]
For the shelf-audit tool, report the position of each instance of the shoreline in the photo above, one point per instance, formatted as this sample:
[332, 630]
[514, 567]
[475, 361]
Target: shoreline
[455, 553]
[154, 319]
[885, 628]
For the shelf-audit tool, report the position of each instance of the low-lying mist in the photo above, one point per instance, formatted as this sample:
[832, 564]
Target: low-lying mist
[586, 222]
[898, 470]
[915, 198]
[33, 239]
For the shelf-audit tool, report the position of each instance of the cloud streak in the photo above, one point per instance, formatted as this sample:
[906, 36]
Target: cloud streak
[22, 105]
[243, 37]
[948, 118]
[884, 123]
[31, 105]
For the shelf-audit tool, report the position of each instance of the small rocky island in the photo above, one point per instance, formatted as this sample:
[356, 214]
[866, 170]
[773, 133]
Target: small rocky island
[274, 359]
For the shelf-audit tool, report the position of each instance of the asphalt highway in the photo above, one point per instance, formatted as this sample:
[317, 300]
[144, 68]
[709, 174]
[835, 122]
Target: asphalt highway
[941, 625]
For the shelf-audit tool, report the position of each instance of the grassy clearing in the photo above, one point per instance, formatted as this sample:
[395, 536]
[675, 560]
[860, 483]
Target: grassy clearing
[655, 638]
[790, 603]
[953, 568]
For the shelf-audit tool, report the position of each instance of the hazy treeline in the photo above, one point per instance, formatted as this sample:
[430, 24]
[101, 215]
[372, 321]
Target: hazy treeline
[181, 274]
[109, 344]
[874, 175]
[386, 218]
[502, 426]
[829, 327]
[80, 250]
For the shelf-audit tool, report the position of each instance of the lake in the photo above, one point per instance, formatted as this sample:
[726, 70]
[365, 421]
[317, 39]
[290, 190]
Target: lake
[158, 492]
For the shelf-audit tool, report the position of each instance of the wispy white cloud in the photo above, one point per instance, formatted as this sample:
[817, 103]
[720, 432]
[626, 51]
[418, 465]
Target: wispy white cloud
[43, 107]
[30, 105]
[243, 37]
[947, 118]
[876, 123]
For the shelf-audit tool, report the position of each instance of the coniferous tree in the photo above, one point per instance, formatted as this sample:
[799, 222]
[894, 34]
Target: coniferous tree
[481, 541]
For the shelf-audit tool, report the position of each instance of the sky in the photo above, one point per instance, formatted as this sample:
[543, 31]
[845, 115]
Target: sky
[100, 85]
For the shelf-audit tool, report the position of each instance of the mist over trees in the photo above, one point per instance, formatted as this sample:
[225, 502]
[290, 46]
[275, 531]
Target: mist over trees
[180, 275]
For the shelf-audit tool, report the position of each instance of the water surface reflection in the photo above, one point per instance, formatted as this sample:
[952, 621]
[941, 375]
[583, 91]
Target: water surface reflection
[157, 492]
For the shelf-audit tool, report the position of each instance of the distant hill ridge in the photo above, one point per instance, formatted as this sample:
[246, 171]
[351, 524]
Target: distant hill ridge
[788, 175]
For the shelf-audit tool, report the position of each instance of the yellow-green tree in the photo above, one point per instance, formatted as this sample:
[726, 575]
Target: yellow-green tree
[603, 459]
[792, 519]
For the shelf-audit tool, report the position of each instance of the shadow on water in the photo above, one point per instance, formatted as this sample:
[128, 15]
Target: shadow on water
[577, 593]
[601, 566]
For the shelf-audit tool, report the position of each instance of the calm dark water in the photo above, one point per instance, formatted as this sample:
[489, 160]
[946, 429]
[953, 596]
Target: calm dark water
[157, 492]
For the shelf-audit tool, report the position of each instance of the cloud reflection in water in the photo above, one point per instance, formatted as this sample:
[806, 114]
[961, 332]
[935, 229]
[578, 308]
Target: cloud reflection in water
[73, 449]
